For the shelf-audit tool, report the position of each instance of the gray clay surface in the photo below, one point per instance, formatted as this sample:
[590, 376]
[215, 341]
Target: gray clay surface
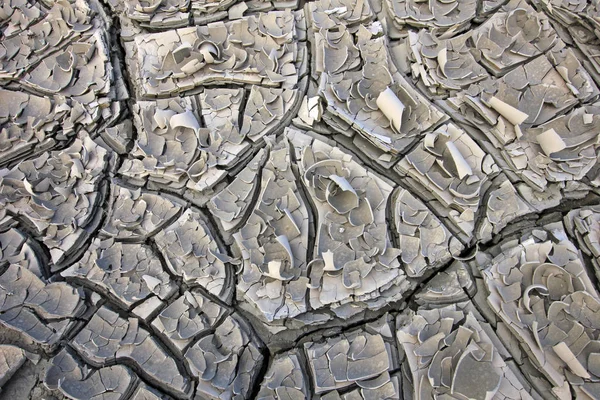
[303, 199]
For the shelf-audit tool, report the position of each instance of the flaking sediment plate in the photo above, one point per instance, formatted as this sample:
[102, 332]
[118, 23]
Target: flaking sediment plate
[329, 199]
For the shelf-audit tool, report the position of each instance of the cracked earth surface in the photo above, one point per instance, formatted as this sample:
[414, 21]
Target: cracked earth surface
[330, 199]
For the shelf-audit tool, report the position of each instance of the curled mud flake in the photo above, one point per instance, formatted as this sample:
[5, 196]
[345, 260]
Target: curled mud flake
[129, 272]
[352, 358]
[18, 248]
[452, 285]
[232, 204]
[447, 345]
[125, 232]
[571, 69]
[556, 151]
[584, 224]
[514, 34]
[221, 52]
[221, 113]
[326, 14]
[226, 362]
[28, 124]
[108, 337]
[157, 14]
[187, 318]
[449, 16]
[136, 215]
[78, 381]
[367, 98]
[169, 137]
[285, 378]
[503, 206]
[191, 251]
[425, 242]
[31, 39]
[391, 107]
[11, 359]
[274, 242]
[540, 289]
[450, 165]
[59, 53]
[552, 158]
[358, 260]
[119, 137]
[38, 311]
[517, 114]
[441, 67]
[278, 103]
[59, 193]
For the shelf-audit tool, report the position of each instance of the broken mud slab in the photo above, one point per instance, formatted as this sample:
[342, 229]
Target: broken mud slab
[333, 199]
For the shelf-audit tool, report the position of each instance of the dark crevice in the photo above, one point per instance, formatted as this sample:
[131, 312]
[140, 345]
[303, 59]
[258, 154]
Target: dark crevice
[313, 215]
[336, 325]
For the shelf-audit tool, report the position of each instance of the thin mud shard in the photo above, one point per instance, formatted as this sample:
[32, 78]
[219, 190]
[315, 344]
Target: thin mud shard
[127, 272]
[274, 277]
[191, 252]
[57, 76]
[354, 69]
[39, 312]
[194, 144]
[539, 288]
[191, 244]
[226, 362]
[450, 165]
[109, 337]
[259, 50]
[445, 348]
[59, 193]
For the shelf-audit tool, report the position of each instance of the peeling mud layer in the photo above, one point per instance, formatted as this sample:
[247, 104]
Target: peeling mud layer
[331, 199]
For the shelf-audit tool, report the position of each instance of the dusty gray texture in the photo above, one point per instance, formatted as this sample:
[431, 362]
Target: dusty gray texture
[320, 199]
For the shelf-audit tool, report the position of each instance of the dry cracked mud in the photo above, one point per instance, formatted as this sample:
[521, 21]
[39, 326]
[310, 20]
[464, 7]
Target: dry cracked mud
[320, 199]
